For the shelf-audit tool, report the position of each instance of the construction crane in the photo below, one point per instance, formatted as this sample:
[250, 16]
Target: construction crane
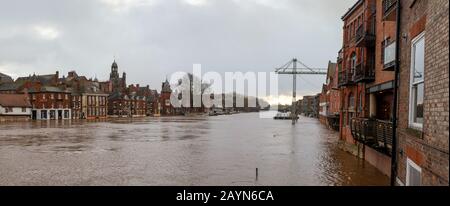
[290, 68]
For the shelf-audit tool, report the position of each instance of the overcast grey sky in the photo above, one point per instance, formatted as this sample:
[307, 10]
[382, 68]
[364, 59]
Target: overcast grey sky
[154, 38]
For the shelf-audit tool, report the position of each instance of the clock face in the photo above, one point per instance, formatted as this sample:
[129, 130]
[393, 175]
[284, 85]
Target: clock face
[167, 102]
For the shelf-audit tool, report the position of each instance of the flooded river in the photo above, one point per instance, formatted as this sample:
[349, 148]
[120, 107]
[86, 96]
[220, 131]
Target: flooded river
[223, 150]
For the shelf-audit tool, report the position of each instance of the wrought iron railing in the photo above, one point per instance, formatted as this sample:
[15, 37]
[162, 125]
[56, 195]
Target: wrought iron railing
[365, 33]
[345, 78]
[364, 72]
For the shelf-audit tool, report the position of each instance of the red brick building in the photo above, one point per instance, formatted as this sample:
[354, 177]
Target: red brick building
[166, 107]
[50, 102]
[49, 99]
[329, 105]
[423, 124]
[366, 77]
[88, 101]
[123, 105]
[150, 96]
[356, 66]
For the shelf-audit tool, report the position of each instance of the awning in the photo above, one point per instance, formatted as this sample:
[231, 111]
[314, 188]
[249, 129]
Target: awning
[381, 87]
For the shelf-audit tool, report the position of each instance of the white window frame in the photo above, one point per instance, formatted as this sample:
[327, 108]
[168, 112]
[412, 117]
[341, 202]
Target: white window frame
[411, 110]
[409, 164]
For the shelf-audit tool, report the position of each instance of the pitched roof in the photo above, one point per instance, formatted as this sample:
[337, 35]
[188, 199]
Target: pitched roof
[49, 89]
[117, 95]
[14, 100]
[43, 79]
[166, 87]
[5, 78]
[331, 69]
[87, 87]
[10, 86]
[352, 9]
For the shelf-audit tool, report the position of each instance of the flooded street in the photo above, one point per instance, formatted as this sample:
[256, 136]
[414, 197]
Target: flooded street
[223, 150]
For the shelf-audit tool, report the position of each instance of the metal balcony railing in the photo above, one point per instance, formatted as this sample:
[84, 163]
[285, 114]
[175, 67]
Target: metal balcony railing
[345, 78]
[374, 133]
[389, 8]
[364, 72]
[362, 130]
[365, 35]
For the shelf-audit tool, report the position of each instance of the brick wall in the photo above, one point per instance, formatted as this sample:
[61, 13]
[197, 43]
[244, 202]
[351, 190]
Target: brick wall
[385, 29]
[49, 100]
[427, 148]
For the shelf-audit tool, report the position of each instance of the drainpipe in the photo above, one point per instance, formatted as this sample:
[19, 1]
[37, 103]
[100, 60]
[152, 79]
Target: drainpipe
[395, 104]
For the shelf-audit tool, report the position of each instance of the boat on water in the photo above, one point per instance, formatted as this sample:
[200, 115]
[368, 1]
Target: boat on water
[216, 113]
[284, 116]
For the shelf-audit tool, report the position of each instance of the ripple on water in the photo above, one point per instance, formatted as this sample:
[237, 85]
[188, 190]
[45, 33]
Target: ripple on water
[222, 150]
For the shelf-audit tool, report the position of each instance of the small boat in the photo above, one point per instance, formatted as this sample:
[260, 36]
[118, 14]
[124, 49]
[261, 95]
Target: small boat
[284, 116]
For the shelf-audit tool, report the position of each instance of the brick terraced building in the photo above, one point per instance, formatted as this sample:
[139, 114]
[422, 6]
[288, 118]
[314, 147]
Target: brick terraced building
[377, 47]
[423, 124]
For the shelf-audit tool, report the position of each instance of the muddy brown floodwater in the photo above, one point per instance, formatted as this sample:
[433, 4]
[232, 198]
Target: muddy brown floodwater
[223, 150]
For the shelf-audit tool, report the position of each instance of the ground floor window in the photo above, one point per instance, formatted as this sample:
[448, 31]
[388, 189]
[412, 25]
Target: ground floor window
[413, 174]
[66, 114]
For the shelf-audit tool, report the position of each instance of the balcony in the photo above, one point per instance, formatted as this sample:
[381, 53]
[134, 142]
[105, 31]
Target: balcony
[389, 10]
[345, 78]
[364, 73]
[389, 56]
[364, 37]
[376, 134]
[340, 56]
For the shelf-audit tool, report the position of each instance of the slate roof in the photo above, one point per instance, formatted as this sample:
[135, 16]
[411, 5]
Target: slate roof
[43, 79]
[10, 86]
[5, 78]
[49, 89]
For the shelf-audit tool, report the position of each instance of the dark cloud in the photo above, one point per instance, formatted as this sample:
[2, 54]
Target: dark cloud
[153, 38]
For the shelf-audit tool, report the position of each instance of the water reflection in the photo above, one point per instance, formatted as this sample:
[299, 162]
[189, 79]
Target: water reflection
[222, 150]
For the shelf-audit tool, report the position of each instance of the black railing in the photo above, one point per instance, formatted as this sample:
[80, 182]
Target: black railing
[365, 35]
[364, 72]
[388, 7]
[363, 130]
[345, 78]
[373, 133]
